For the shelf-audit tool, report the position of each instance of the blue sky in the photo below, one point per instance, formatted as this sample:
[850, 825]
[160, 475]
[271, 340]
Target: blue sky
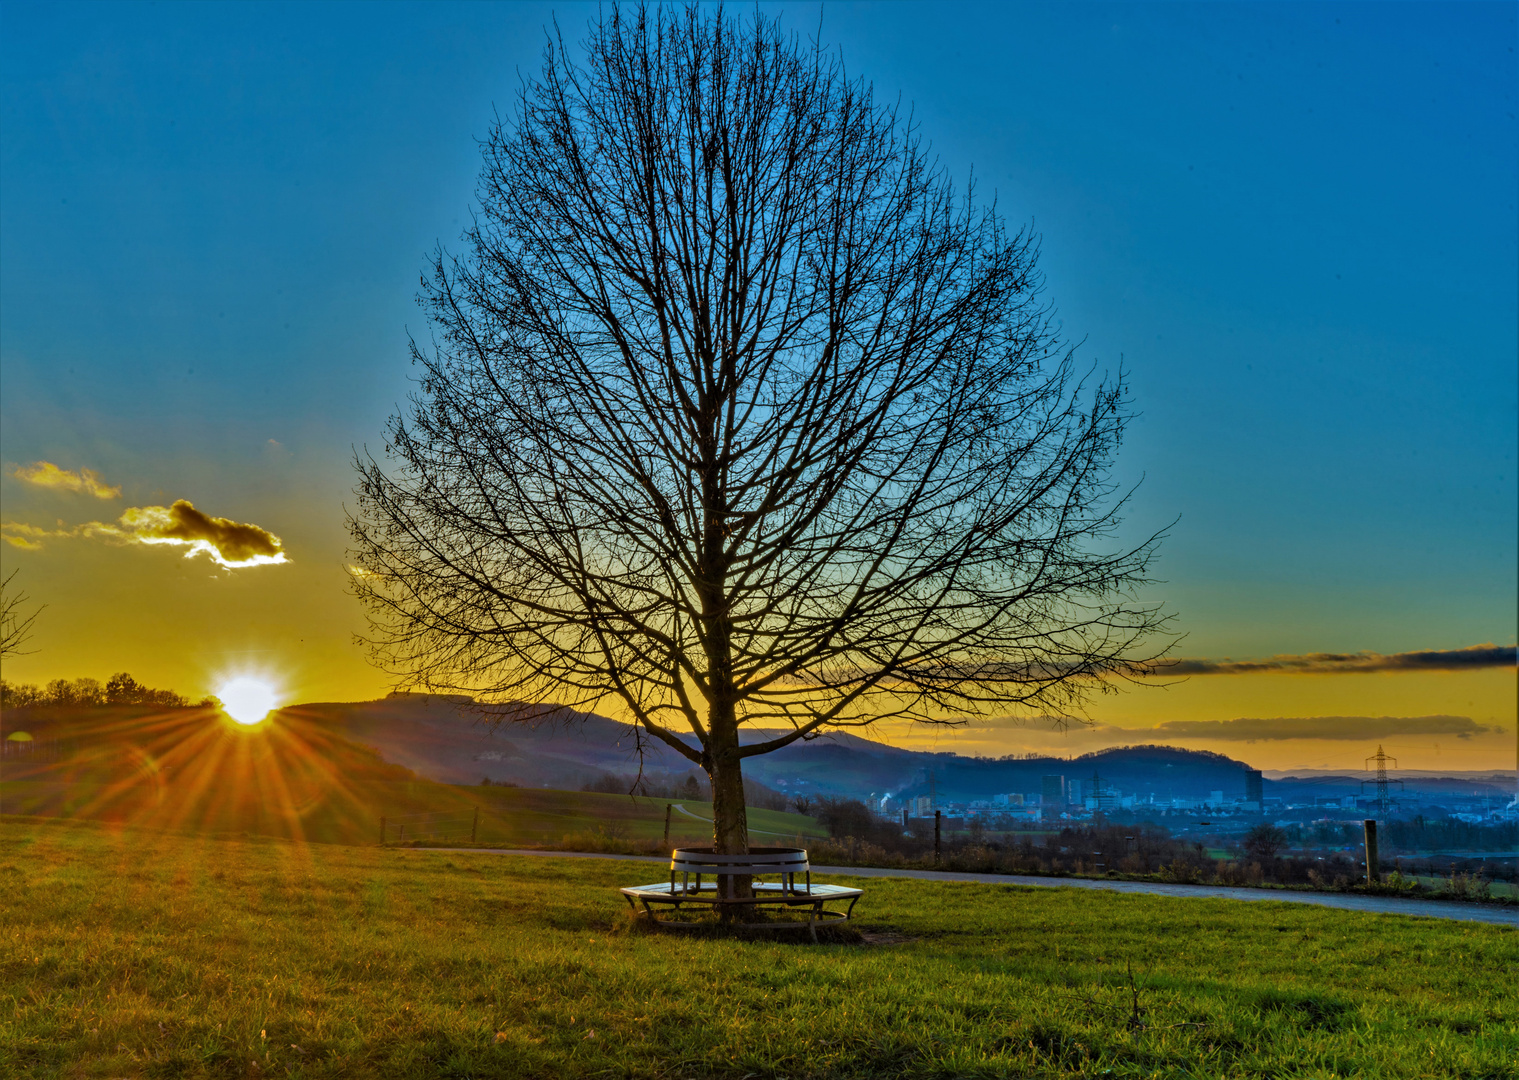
[1295, 224]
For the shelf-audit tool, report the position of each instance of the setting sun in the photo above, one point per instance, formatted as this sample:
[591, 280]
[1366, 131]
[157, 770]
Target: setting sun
[247, 699]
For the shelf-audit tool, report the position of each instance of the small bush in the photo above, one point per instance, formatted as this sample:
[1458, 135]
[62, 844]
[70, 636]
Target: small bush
[1464, 886]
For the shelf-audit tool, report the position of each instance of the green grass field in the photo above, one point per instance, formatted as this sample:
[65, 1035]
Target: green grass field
[130, 953]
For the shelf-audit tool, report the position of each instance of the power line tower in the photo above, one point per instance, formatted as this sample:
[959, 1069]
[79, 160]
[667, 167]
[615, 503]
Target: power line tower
[1384, 803]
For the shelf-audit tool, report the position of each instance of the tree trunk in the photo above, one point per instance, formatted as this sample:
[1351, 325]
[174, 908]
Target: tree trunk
[730, 818]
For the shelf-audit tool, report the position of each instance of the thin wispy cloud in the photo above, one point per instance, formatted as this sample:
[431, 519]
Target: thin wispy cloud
[1340, 728]
[1470, 658]
[31, 537]
[231, 544]
[45, 474]
[1270, 737]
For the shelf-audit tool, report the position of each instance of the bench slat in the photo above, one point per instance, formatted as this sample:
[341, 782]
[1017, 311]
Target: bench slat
[763, 893]
[686, 861]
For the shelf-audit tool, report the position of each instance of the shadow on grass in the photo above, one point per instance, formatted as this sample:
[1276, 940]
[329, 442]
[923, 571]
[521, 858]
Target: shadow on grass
[1309, 1010]
[709, 927]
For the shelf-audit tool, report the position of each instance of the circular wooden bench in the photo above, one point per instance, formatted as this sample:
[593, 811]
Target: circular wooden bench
[689, 865]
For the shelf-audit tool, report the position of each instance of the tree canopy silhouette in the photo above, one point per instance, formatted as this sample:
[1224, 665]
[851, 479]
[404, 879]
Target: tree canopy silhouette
[16, 621]
[738, 411]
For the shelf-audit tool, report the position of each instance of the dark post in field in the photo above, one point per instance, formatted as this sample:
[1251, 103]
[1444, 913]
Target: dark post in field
[938, 823]
[1372, 874]
[668, 808]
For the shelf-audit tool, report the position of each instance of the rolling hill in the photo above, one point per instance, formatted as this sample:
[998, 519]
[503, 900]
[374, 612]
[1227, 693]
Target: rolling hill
[449, 740]
[300, 775]
[327, 751]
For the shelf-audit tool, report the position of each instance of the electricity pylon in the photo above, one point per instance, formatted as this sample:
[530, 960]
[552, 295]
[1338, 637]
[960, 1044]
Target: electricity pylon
[1381, 781]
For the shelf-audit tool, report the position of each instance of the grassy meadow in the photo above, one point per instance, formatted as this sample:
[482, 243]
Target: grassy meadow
[191, 770]
[444, 813]
[131, 953]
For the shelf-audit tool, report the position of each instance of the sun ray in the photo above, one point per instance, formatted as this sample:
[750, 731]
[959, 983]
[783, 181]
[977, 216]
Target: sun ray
[295, 774]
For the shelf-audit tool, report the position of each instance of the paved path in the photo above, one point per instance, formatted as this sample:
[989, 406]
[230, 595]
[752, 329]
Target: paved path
[1381, 905]
[708, 821]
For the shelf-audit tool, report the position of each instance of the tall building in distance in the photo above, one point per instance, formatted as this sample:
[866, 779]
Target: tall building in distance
[1253, 788]
[1053, 791]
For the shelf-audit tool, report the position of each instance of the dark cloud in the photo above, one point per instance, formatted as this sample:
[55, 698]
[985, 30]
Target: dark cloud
[230, 543]
[1467, 659]
[1348, 728]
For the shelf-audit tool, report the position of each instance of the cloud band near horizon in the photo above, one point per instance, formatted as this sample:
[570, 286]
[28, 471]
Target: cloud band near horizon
[1254, 729]
[1335, 728]
[1471, 658]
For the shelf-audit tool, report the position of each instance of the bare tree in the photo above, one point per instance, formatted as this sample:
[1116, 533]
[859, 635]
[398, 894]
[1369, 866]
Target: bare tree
[1264, 841]
[740, 413]
[15, 620]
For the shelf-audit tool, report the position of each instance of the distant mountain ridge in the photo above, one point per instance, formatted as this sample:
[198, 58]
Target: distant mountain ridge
[449, 739]
[1305, 785]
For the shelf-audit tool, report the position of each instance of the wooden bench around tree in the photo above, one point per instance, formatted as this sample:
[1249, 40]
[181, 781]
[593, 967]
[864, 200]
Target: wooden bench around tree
[688, 866]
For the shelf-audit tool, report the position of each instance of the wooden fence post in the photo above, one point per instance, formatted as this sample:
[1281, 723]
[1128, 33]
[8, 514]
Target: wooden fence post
[1373, 871]
[668, 808]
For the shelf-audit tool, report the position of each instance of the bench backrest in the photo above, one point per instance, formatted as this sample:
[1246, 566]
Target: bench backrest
[759, 861]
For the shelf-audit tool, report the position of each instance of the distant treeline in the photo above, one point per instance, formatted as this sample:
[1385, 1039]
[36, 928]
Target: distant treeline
[119, 689]
[858, 836]
[1411, 835]
[1449, 834]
